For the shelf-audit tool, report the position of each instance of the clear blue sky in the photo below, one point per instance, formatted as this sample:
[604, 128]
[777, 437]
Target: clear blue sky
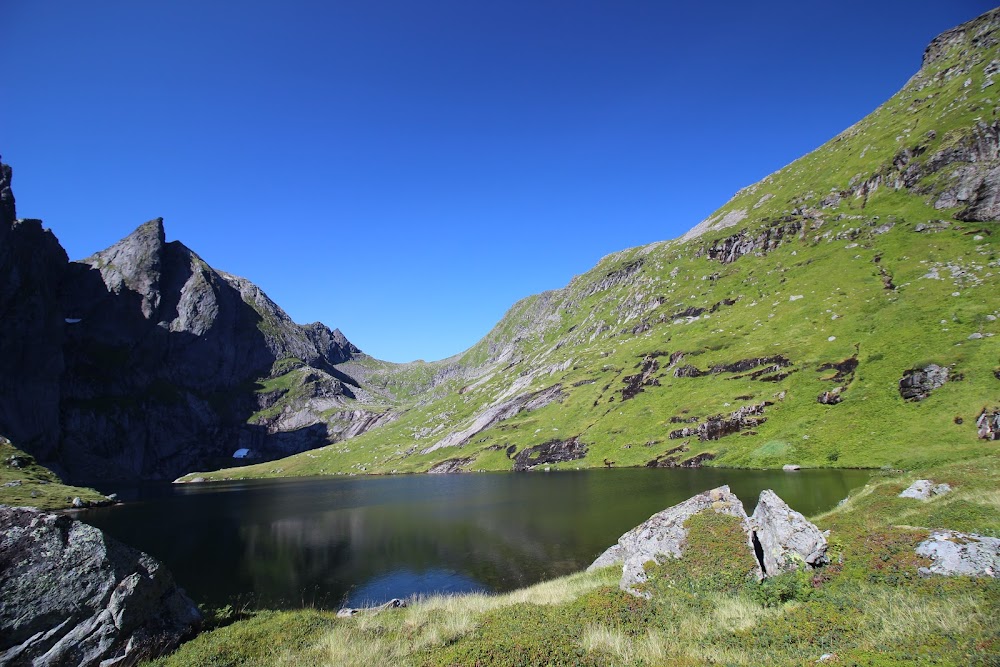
[405, 170]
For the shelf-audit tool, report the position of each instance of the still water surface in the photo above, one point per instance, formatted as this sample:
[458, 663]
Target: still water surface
[332, 541]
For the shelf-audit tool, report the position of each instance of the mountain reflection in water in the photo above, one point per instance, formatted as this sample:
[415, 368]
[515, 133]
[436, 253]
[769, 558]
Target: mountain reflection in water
[330, 541]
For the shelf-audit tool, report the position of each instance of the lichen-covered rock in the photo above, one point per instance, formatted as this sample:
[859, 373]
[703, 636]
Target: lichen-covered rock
[918, 383]
[663, 534]
[956, 553]
[69, 595]
[924, 489]
[787, 540]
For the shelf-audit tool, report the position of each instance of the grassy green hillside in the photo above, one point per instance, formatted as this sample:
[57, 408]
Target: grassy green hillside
[24, 483]
[871, 256]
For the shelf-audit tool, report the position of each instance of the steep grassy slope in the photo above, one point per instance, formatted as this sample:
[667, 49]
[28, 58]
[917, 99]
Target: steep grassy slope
[776, 331]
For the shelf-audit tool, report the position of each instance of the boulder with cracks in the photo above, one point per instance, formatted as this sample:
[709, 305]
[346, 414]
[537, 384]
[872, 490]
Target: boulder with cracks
[780, 538]
[69, 595]
[786, 539]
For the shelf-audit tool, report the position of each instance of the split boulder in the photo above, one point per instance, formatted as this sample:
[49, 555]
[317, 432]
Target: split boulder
[781, 539]
[787, 539]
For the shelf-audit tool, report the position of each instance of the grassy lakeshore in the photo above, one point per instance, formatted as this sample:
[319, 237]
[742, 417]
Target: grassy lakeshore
[868, 607]
[23, 482]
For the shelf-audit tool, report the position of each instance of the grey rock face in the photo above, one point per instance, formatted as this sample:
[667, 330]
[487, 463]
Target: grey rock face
[924, 489]
[663, 535]
[31, 357]
[719, 426]
[554, 451]
[787, 540]
[450, 466]
[140, 361]
[161, 365]
[498, 412]
[988, 425]
[731, 248]
[918, 383]
[71, 596]
[956, 553]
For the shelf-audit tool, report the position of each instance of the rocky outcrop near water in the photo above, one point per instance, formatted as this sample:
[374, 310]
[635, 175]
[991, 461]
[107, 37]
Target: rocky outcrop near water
[554, 451]
[781, 539]
[663, 535]
[787, 541]
[71, 596]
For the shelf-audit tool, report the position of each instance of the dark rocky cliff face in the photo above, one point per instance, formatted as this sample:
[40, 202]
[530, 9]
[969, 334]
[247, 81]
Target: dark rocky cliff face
[31, 361]
[141, 361]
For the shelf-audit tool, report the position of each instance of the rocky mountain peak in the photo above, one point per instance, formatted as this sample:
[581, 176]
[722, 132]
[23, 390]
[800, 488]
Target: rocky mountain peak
[8, 213]
[135, 263]
[979, 31]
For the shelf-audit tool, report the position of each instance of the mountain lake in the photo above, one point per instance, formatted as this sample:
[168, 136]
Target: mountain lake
[333, 541]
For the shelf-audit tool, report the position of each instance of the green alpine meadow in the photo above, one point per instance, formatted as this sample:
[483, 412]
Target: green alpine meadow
[841, 313]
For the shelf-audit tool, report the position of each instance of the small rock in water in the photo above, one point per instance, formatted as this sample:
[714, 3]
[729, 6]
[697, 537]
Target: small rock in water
[791, 467]
[77, 502]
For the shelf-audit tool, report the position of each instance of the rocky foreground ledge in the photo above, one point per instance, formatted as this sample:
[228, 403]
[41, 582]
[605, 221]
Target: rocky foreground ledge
[70, 595]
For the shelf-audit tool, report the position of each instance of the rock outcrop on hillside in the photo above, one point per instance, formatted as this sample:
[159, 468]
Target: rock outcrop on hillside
[71, 596]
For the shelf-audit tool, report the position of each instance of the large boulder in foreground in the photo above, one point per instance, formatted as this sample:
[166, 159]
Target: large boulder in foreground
[663, 535]
[69, 595]
[787, 540]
